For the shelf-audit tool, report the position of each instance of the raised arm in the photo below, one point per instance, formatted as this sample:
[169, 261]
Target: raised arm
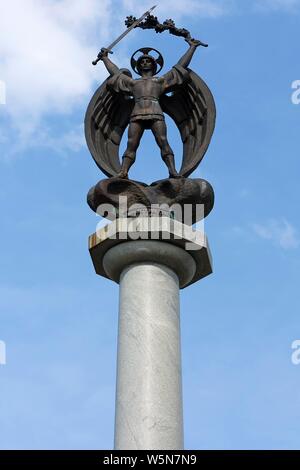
[187, 57]
[111, 67]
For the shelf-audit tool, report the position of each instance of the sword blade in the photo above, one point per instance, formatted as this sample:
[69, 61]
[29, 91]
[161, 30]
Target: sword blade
[137, 22]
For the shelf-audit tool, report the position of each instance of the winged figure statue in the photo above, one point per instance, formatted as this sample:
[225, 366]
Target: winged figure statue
[139, 104]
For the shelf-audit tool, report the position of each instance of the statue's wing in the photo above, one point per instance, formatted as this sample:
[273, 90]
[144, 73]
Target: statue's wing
[193, 109]
[106, 119]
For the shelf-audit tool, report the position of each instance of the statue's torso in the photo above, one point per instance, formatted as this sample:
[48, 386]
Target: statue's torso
[146, 93]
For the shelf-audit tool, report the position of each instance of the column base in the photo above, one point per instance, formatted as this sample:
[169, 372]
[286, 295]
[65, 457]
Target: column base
[151, 239]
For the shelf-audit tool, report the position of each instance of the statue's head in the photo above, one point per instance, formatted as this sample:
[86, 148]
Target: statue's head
[143, 63]
[146, 63]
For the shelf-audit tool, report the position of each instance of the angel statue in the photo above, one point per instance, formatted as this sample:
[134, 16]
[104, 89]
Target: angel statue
[139, 104]
[147, 112]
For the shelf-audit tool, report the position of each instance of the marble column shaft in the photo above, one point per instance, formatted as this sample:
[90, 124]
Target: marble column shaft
[149, 391]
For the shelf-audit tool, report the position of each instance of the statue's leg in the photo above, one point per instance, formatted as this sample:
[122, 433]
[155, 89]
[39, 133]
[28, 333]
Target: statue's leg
[135, 132]
[159, 130]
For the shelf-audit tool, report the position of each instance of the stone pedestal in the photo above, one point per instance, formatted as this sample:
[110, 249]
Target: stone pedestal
[150, 273]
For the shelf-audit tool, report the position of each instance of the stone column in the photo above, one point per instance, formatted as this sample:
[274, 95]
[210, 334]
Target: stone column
[149, 411]
[149, 390]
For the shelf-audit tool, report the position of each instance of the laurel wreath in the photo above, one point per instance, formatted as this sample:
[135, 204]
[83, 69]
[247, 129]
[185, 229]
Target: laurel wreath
[151, 22]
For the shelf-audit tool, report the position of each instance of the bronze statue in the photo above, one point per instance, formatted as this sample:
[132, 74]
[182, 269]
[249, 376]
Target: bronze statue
[139, 104]
[147, 91]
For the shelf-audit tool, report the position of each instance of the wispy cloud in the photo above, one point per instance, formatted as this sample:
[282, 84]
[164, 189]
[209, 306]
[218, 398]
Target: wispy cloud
[45, 54]
[178, 8]
[284, 5]
[280, 232]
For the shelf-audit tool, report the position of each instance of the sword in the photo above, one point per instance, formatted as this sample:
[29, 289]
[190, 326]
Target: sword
[112, 45]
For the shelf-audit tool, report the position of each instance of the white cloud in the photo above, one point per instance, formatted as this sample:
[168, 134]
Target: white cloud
[280, 232]
[46, 53]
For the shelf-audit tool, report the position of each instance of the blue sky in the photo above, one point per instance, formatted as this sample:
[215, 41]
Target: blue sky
[57, 318]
